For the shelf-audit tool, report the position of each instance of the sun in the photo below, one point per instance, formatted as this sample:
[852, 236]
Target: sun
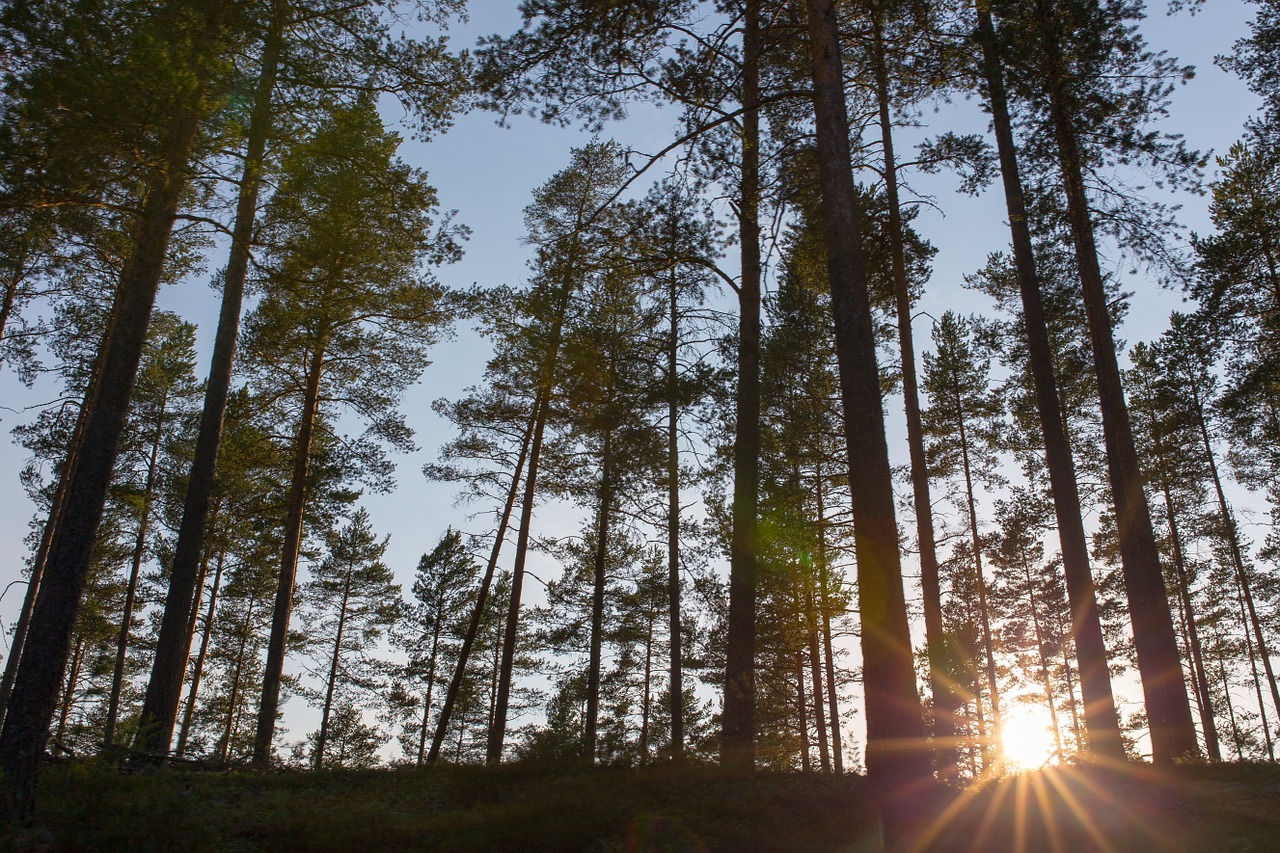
[1027, 741]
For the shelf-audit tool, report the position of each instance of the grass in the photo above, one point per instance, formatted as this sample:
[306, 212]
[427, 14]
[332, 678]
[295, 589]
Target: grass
[88, 806]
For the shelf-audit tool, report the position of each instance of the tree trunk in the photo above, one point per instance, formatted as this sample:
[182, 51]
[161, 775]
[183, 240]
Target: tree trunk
[815, 668]
[992, 746]
[69, 692]
[833, 698]
[1071, 697]
[737, 739]
[1044, 663]
[135, 569]
[274, 671]
[676, 686]
[234, 696]
[431, 683]
[645, 703]
[1236, 738]
[802, 712]
[1233, 543]
[1102, 724]
[1173, 734]
[482, 597]
[1257, 680]
[502, 697]
[173, 644]
[198, 671]
[945, 700]
[323, 735]
[597, 599]
[897, 752]
[18, 640]
[1200, 680]
[541, 408]
[35, 690]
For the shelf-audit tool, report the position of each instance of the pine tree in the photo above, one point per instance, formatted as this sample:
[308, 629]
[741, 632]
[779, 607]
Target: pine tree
[347, 315]
[349, 602]
[442, 588]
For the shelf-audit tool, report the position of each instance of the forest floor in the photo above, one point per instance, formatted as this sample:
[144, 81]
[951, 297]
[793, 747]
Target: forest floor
[84, 806]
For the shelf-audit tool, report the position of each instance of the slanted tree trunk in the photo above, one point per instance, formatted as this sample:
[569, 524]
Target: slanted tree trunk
[502, 695]
[482, 596]
[173, 643]
[323, 735]
[18, 640]
[1173, 734]
[541, 407]
[991, 746]
[897, 752]
[198, 671]
[233, 697]
[1257, 680]
[431, 683]
[44, 656]
[131, 592]
[737, 739]
[1233, 543]
[597, 598]
[945, 700]
[1102, 724]
[274, 672]
[1199, 679]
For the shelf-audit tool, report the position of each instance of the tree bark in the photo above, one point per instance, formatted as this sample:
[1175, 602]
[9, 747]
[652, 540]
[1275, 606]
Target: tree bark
[198, 671]
[274, 672]
[992, 746]
[135, 569]
[737, 739]
[542, 407]
[815, 668]
[833, 697]
[173, 644]
[35, 691]
[802, 712]
[1200, 680]
[18, 640]
[224, 748]
[676, 686]
[597, 599]
[1257, 680]
[482, 597]
[1044, 663]
[897, 752]
[1173, 734]
[431, 683]
[323, 735]
[69, 692]
[502, 697]
[1102, 724]
[945, 700]
[1233, 543]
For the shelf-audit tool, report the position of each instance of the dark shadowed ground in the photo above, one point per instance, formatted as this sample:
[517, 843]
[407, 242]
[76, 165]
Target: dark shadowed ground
[84, 806]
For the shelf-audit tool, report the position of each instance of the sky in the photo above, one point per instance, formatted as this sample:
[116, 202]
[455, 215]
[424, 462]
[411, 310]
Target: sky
[487, 173]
